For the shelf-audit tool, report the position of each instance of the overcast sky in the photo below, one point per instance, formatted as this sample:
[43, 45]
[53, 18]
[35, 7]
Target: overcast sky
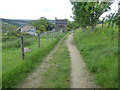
[114, 9]
[34, 9]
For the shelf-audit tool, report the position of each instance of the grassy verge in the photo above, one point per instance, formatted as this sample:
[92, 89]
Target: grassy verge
[100, 52]
[15, 69]
[57, 73]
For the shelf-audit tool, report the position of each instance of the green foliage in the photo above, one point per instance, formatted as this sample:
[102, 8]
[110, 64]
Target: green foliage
[50, 26]
[71, 25]
[100, 52]
[9, 29]
[42, 28]
[68, 29]
[16, 43]
[88, 13]
[42, 21]
[114, 19]
[7, 37]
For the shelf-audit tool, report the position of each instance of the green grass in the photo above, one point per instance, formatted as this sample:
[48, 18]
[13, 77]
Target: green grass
[100, 52]
[14, 69]
[57, 73]
[16, 43]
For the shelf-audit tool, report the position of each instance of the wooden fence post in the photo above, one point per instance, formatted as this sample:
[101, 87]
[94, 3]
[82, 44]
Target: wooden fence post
[47, 37]
[38, 40]
[22, 47]
[52, 36]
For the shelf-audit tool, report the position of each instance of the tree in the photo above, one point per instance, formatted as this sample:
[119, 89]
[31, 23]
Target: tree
[42, 28]
[71, 25]
[88, 13]
[114, 19]
[42, 21]
[79, 13]
[50, 26]
[9, 29]
[68, 29]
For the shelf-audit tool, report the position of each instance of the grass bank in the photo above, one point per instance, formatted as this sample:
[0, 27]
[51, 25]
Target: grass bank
[57, 73]
[14, 69]
[100, 52]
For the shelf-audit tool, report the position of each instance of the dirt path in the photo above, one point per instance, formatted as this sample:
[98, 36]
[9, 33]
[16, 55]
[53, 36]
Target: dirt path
[35, 78]
[80, 77]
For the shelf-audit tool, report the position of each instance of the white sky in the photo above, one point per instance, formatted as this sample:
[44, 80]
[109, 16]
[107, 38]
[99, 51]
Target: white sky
[114, 9]
[34, 9]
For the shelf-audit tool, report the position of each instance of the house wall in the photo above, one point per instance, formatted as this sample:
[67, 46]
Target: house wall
[27, 27]
[61, 25]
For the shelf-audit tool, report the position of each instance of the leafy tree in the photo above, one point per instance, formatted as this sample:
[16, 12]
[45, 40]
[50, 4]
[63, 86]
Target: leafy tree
[50, 26]
[9, 29]
[42, 21]
[88, 13]
[71, 25]
[79, 13]
[114, 19]
[42, 28]
[68, 29]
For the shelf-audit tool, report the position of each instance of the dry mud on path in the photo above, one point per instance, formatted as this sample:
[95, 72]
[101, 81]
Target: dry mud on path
[80, 76]
[34, 79]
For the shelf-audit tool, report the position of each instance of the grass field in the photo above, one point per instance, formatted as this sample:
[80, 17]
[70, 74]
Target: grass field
[57, 73]
[100, 52]
[14, 69]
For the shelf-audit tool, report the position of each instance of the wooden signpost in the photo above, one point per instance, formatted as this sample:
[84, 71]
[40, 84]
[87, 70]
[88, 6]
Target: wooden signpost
[22, 45]
[47, 36]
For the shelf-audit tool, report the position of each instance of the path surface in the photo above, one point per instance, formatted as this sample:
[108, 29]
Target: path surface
[35, 78]
[80, 77]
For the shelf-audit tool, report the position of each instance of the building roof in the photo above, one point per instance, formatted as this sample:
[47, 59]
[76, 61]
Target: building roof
[59, 21]
[24, 25]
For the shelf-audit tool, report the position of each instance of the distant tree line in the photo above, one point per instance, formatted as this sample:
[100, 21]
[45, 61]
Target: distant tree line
[43, 22]
[8, 29]
[71, 25]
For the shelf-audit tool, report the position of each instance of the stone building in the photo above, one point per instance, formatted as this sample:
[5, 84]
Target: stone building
[28, 28]
[60, 24]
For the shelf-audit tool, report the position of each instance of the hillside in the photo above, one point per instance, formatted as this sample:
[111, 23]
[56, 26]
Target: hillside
[20, 22]
[16, 22]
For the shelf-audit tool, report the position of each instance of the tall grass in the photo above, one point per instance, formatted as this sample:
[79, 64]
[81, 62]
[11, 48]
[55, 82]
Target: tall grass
[16, 43]
[100, 52]
[15, 69]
